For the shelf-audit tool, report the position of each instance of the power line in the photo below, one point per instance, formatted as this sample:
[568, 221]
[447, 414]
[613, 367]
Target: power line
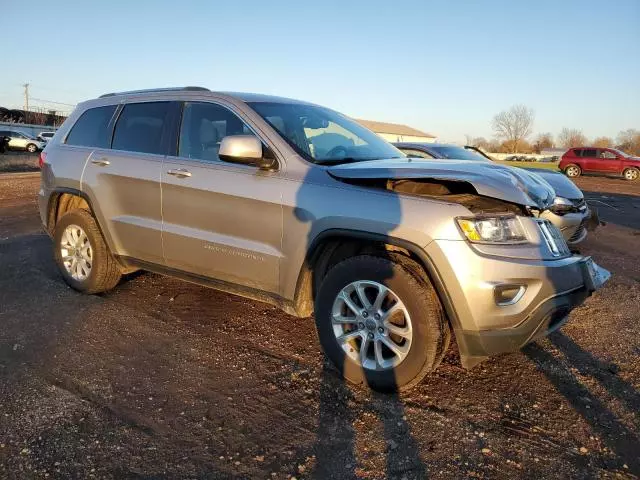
[51, 101]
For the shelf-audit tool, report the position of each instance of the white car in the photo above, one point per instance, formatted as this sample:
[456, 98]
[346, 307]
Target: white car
[21, 141]
[45, 136]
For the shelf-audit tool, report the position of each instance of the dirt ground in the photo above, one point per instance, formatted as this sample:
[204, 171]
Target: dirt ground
[161, 378]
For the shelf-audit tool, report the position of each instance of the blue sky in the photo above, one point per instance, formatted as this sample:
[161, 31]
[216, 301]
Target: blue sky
[445, 67]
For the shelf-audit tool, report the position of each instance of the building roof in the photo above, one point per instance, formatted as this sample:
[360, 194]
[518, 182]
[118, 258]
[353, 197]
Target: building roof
[392, 128]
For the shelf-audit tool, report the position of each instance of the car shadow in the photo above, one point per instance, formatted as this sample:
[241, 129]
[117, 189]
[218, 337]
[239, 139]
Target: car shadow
[336, 445]
[617, 436]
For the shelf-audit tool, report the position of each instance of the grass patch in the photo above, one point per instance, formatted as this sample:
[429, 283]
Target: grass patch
[18, 163]
[544, 165]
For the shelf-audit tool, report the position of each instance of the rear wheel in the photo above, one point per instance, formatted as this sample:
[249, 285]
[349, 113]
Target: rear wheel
[631, 174]
[82, 255]
[31, 148]
[381, 323]
[573, 171]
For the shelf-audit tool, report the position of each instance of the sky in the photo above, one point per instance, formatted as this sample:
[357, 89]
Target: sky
[445, 67]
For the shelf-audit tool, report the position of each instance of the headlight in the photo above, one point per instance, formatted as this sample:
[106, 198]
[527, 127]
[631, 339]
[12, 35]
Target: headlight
[562, 206]
[498, 229]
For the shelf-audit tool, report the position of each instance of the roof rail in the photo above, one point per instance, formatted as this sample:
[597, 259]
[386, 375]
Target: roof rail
[152, 90]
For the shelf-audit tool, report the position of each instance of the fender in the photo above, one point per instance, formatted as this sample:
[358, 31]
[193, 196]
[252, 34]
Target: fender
[426, 262]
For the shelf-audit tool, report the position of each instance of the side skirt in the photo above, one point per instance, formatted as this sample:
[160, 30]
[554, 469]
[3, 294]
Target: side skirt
[251, 293]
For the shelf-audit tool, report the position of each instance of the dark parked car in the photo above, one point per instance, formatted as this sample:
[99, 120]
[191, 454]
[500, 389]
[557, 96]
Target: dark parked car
[603, 161]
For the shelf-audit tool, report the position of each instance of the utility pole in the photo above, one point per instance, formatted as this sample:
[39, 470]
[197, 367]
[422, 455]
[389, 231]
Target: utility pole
[26, 97]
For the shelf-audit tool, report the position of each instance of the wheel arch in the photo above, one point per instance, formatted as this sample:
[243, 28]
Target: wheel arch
[65, 199]
[327, 245]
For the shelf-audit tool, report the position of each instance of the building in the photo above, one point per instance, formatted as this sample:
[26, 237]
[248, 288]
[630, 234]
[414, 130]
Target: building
[395, 132]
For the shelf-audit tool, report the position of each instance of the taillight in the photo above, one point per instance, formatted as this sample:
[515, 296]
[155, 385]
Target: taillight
[41, 159]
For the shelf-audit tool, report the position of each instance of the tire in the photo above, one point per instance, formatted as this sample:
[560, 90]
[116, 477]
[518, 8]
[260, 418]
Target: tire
[631, 174]
[31, 148]
[407, 283]
[572, 171]
[103, 271]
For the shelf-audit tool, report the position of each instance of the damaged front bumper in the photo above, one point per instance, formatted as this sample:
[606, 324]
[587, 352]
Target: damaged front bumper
[545, 292]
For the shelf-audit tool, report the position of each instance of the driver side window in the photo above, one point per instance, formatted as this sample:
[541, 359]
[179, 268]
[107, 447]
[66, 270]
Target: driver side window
[203, 127]
[607, 154]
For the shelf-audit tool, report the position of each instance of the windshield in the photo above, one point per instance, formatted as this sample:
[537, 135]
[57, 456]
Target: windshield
[457, 153]
[323, 136]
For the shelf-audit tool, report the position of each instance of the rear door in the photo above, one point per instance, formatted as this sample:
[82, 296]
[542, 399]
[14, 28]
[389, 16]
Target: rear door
[220, 220]
[17, 140]
[589, 160]
[123, 179]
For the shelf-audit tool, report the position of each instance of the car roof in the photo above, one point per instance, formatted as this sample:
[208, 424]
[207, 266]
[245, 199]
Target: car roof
[172, 91]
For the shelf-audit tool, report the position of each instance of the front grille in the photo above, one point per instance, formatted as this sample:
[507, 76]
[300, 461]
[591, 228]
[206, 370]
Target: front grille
[553, 238]
[579, 232]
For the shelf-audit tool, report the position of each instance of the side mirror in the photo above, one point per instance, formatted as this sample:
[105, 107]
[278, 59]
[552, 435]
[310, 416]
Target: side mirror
[247, 150]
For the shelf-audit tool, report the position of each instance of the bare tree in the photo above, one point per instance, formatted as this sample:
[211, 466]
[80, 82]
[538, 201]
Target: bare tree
[629, 141]
[571, 137]
[479, 142]
[514, 125]
[542, 141]
[603, 142]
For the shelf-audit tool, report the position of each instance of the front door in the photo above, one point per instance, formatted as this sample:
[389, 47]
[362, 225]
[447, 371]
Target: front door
[609, 162]
[220, 220]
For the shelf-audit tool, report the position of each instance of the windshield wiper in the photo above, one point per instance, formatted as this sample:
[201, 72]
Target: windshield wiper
[336, 161]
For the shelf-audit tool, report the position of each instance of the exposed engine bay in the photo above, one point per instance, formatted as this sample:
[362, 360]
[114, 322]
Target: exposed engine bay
[455, 192]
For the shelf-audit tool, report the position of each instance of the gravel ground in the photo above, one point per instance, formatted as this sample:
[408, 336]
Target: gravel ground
[161, 378]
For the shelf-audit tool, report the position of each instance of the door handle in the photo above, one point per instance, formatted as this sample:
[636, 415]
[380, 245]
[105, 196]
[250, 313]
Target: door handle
[101, 162]
[179, 172]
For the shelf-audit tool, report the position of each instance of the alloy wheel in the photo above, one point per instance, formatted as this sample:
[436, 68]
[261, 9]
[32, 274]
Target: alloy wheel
[573, 171]
[76, 252]
[631, 174]
[372, 325]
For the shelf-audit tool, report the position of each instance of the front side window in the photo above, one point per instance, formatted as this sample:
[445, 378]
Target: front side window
[589, 153]
[203, 127]
[91, 129]
[323, 136]
[139, 127]
[607, 154]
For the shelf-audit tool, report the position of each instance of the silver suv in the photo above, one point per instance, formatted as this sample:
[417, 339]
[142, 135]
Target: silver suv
[299, 206]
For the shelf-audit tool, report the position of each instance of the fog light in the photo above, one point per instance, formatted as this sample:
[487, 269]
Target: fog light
[508, 294]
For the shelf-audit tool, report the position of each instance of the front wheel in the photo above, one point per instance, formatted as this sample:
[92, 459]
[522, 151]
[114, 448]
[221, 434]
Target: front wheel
[381, 322]
[31, 148]
[631, 174]
[572, 171]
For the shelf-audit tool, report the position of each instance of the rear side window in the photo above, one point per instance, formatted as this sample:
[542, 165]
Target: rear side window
[91, 129]
[140, 126]
[589, 153]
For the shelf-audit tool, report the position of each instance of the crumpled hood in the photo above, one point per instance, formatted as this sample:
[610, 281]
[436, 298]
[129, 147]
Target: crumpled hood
[491, 180]
[559, 182]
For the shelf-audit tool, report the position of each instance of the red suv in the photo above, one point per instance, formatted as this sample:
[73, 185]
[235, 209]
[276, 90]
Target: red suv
[605, 161]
